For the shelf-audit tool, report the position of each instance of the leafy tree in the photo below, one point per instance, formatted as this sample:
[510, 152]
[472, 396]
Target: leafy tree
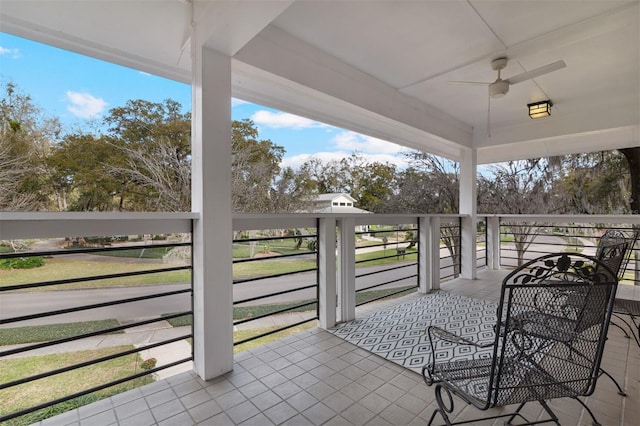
[255, 165]
[594, 183]
[154, 168]
[326, 178]
[370, 183]
[290, 192]
[81, 165]
[26, 137]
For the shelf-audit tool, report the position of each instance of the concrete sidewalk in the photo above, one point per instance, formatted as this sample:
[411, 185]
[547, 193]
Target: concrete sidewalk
[147, 334]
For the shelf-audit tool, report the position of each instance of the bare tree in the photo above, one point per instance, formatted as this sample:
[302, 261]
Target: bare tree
[519, 187]
[162, 172]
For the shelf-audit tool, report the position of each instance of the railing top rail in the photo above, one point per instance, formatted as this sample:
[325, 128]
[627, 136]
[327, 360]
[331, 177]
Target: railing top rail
[23, 225]
[565, 218]
[291, 220]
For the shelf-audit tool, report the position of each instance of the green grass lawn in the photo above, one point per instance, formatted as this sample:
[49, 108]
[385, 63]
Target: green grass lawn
[39, 391]
[145, 253]
[270, 267]
[43, 333]
[410, 256]
[243, 249]
[59, 269]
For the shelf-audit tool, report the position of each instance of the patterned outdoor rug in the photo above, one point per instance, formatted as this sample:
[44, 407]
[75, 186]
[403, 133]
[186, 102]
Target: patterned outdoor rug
[399, 333]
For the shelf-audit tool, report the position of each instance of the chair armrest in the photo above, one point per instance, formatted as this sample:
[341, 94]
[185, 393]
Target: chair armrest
[442, 334]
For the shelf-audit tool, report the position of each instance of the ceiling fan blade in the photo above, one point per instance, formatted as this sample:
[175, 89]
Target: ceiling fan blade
[468, 83]
[536, 72]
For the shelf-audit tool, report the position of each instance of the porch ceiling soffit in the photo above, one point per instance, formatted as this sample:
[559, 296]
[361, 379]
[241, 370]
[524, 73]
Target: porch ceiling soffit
[105, 30]
[281, 71]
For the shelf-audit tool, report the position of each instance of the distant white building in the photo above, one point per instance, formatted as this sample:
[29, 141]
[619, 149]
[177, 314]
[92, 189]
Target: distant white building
[336, 203]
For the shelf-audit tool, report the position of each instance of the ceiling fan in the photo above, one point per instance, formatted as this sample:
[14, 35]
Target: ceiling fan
[500, 87]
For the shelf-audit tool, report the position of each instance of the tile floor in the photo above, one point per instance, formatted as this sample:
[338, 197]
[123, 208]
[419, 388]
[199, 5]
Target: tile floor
[316, 378]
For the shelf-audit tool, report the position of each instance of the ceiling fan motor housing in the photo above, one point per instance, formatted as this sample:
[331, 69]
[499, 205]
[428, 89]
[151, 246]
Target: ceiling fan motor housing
[499, 88]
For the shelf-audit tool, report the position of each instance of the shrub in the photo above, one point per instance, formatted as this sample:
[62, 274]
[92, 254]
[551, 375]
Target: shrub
[148, 364]
[22, 263]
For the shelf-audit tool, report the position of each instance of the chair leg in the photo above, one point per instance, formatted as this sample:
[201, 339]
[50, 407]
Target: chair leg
[621, 328]
[549, 411]
[615, 382]
[443, 409]
[593, 418]
[636, 336]
[515, 414]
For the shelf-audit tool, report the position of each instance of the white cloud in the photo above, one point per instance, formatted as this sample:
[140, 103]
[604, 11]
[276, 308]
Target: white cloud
[279, 120]
[352, 141]
[85, 105]
[14, 53]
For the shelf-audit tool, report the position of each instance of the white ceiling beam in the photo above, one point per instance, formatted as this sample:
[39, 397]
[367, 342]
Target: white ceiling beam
[601, 140]
[279, 54]
[226, 26]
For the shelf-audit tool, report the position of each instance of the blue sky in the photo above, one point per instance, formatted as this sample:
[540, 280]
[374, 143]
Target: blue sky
[80, 91]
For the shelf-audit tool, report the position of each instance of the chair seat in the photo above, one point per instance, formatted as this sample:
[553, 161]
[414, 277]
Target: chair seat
[626, 307]
[519, 380]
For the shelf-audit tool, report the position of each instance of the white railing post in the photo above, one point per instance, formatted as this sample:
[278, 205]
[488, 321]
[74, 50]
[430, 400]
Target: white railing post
[468, 253]
[493, 242]
[346, 269]
[424, 255]
[327, 271]
[433, 253]
[468, 207]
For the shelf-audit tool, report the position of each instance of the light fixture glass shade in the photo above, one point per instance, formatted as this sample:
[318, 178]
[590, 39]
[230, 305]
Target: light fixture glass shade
[540, 109]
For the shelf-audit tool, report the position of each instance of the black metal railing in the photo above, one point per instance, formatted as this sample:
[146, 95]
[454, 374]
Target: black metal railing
[481, 243]
[451, 263]
[522, 241]
[275, 273]
[57, 299]
[386, 262]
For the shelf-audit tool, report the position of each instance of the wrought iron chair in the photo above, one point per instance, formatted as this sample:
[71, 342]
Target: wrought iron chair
[614, 250]
[622, 307]
[550, 333]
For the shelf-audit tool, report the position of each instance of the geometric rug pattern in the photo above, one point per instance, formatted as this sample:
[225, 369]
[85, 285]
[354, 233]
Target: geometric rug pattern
[399, 333]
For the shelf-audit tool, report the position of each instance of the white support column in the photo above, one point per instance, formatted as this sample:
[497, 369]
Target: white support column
[424, 255]
[327, 271]
[468, 206]
[347, 269]
[493, 242]
[434, 253]
[211, 198]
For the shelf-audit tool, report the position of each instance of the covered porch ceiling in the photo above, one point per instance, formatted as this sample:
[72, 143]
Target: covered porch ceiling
[382, 68]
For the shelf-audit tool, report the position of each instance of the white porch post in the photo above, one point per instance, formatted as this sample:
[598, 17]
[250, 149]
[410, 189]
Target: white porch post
[468, 206]
[327, 271]
[429, 261]
[424, 269]
[347, 269]
[211, 197]
[493, 242]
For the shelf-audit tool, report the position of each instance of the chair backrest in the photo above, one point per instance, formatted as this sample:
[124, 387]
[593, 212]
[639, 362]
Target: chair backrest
[614, 250]
[554, 315]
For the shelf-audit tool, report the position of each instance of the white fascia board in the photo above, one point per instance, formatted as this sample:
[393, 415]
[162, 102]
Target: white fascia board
[602, 140]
